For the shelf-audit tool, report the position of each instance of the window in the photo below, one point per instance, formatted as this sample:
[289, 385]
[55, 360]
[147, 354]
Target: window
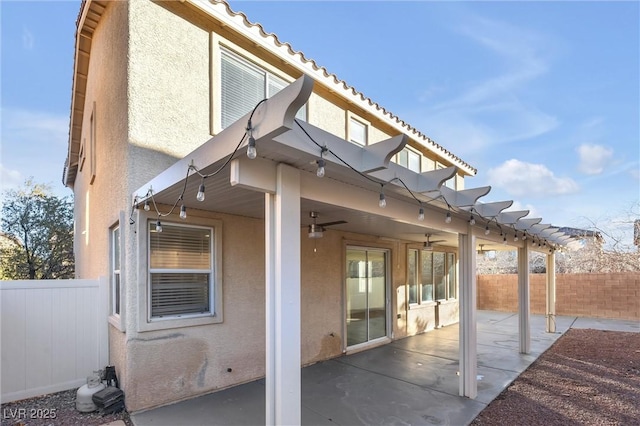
[357, 131]
[181, 271]
[412, 274]
[92, 145]
[409, 159]
[243, 85]
[115, 271]
[431, 276]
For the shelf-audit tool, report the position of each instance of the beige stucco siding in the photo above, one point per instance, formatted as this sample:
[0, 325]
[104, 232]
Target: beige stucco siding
[168, 88]
[177, 363]
[98, 204]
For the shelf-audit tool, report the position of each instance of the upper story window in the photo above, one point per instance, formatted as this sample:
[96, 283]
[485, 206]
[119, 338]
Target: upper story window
[243, 85]
[409, 159]
[357, 130]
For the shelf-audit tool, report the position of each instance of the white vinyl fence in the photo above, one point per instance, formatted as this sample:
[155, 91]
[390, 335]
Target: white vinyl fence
[54, 333]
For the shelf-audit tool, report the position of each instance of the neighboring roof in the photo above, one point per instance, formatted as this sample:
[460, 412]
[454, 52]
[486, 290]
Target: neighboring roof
[581, 233]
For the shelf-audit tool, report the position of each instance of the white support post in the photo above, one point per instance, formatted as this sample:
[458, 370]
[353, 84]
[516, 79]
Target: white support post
[282, 270]
[468, 299]
[523, 299]
[551, 293]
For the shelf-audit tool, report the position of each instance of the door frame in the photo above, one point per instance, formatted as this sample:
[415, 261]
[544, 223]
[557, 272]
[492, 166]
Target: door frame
[388, 323]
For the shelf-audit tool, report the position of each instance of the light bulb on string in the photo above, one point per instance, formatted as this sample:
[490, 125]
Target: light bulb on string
[421, 214]
[486, 230]
[472, 221]
[382, 202]
[251, 149]
[158, 226]
[320, 170]
[200, 195]
[183, 212]
[447, 219]
[146, 206]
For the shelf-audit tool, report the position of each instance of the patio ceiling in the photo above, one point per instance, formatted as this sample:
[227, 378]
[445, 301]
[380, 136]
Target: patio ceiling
[350, 170]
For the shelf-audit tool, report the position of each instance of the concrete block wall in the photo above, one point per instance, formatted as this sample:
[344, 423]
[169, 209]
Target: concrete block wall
[586, 295]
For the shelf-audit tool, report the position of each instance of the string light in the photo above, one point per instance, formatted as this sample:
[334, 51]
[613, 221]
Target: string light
[320, 171]
[200, 195]
[382, 202]
[251, 148]
[504, 240]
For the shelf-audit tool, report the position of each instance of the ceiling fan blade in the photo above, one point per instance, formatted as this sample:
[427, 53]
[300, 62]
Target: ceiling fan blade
[337, 222]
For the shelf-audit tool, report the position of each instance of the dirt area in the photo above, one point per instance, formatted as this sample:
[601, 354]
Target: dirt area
[588, 377]
[55, 409]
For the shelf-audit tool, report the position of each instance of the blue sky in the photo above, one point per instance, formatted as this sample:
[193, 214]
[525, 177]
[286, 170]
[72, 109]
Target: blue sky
[541, 97]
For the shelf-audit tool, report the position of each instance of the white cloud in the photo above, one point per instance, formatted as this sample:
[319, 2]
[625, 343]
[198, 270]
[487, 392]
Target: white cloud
[27, 39]
[9, 178]
[519, 178]
[34, 144]
[494, 110]
[594, 158]
[518, 206]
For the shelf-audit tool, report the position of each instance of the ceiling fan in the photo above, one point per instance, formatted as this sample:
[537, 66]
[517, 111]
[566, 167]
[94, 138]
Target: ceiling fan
[428, 245]
[316, 229]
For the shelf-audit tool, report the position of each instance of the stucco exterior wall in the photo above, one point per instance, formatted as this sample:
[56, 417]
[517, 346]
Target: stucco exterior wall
[97, 204]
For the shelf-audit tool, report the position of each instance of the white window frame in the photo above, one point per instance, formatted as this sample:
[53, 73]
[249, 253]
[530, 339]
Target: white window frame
[353, 121]
[117, 296]
[215, 316]
[409, 153]
[418, 277]
[269, 80]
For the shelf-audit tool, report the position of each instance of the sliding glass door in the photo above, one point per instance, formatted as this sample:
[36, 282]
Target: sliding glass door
[366, 295]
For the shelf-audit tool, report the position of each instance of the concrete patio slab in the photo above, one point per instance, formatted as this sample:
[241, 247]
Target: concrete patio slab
[409, 381]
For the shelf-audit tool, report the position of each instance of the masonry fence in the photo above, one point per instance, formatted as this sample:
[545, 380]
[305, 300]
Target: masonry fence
[585, 295]
[53, 334]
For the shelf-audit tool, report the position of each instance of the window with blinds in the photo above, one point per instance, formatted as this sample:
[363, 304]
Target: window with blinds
[180, 271]
[243, 85]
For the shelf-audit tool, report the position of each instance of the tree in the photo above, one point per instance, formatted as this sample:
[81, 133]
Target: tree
[37, 234]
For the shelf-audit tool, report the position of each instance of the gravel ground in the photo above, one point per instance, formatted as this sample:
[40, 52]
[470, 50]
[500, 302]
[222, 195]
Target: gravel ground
[588, 377]
[55, 409]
